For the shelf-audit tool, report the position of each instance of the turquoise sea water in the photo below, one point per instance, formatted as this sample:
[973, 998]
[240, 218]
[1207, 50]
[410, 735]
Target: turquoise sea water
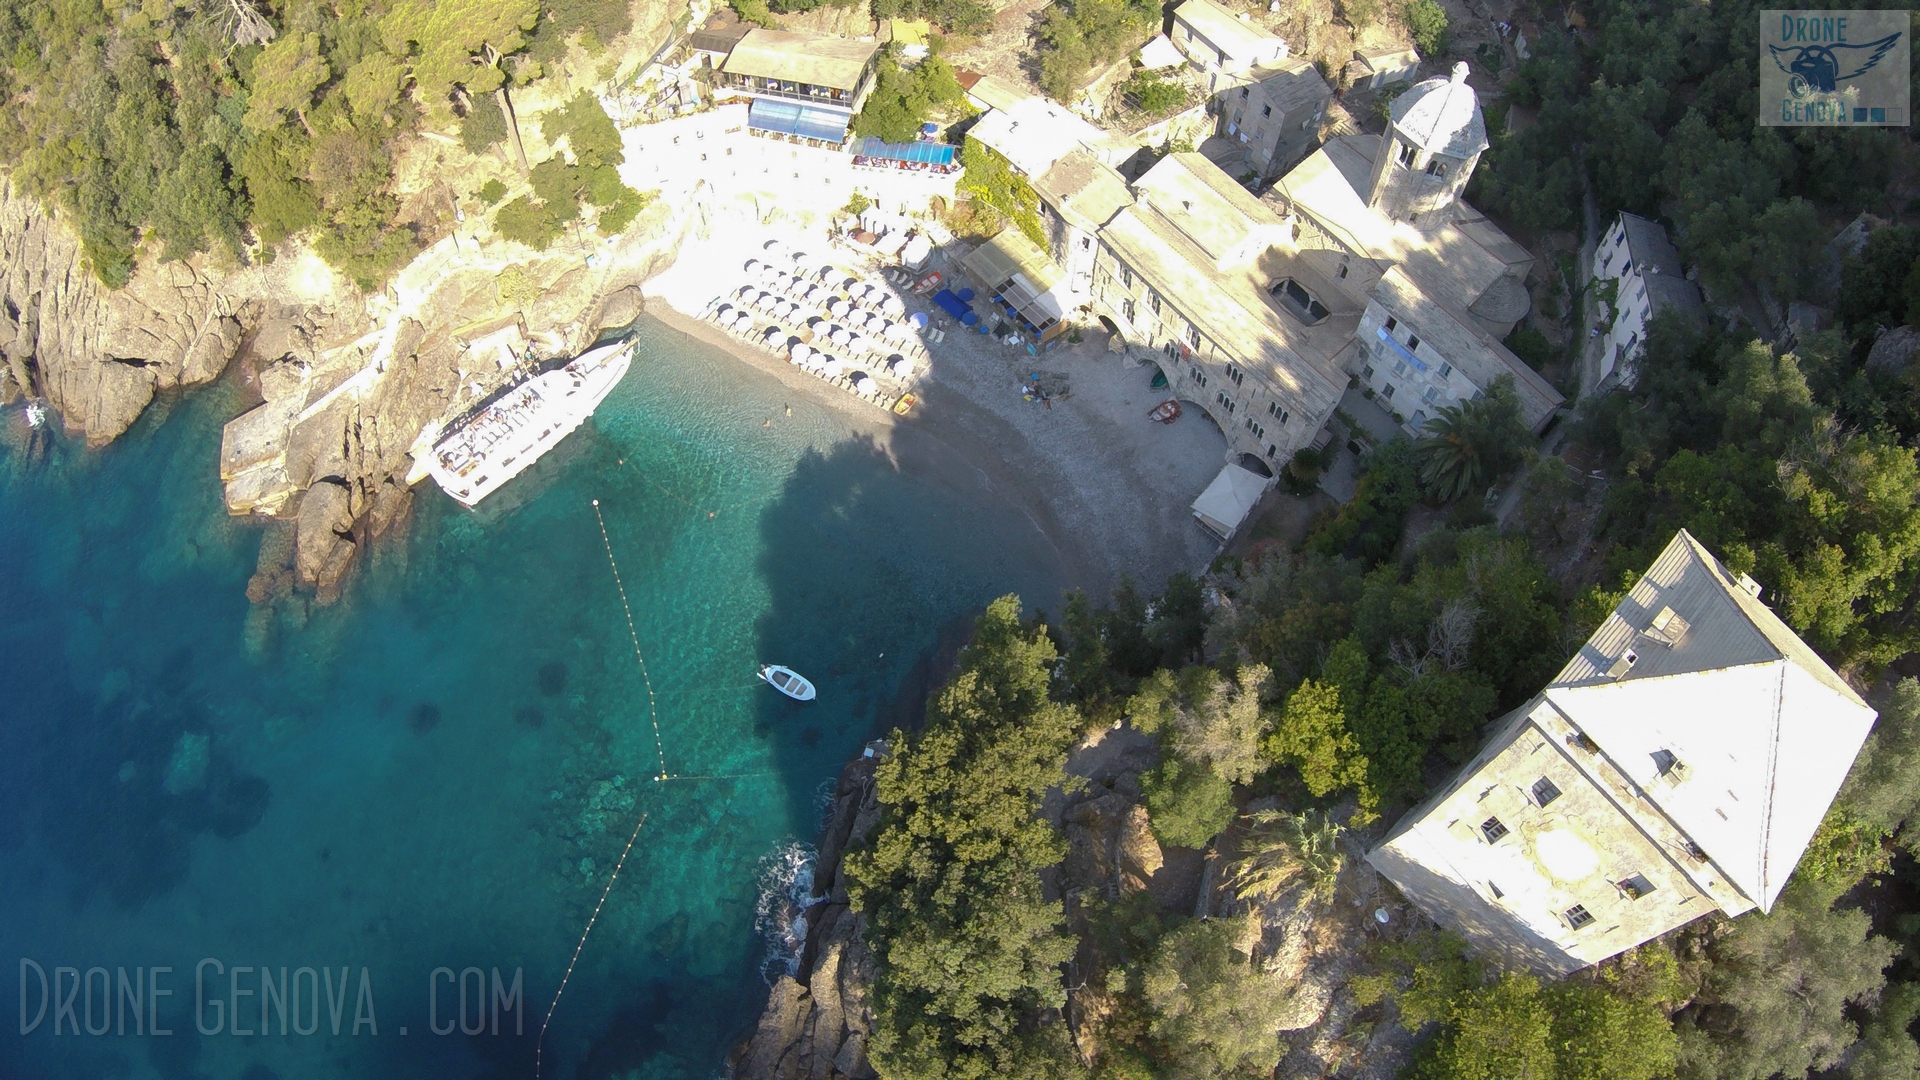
[441, 770]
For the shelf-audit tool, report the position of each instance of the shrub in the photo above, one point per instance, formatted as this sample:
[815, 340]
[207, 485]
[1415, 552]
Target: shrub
[1427, 23]
[1530, 345]
[525, 221]
[492, 191]
[1187, 803]
[1152, 94]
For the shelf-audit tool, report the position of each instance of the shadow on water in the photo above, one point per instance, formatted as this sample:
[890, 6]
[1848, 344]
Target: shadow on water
[911, 555]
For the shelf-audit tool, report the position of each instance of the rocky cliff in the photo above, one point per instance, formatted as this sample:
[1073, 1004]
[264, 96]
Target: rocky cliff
[332, 447]
[98, 355]
[817, 1021]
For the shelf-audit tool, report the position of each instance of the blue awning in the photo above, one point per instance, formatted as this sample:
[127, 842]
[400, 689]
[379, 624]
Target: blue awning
[925, 153]
[793, 118]
[1404, 352]
[953, 305]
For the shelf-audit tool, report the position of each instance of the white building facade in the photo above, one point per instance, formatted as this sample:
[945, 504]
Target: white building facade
[1640, 271]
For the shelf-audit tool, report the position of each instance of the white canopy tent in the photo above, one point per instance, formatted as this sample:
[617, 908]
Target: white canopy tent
[1228, 500]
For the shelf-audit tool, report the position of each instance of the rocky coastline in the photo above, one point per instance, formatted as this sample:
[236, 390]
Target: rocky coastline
[817, 1021]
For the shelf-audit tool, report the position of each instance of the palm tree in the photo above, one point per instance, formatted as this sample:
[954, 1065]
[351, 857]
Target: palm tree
[1470, 445]
[1281, 848]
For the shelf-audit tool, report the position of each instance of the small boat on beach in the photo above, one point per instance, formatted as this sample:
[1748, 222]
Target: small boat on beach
[787, 681]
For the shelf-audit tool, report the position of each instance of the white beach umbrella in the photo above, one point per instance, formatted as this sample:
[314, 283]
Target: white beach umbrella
[721, 313]
[863, 384]
[743, 292]
[893, 305]
[800, 352]
[900, 367]
[815, 361]
[744, 323]
[840, 309]
[753, 266]
[773, 335]
[833, 367]
[839, 336]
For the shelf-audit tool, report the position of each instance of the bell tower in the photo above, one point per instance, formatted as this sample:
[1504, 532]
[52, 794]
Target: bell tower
[1433, 140]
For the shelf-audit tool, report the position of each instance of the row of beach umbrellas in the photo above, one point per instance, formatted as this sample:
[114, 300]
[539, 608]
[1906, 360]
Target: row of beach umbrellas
[777, 339]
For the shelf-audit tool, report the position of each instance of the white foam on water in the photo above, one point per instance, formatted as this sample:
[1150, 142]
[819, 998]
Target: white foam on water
[779, 913]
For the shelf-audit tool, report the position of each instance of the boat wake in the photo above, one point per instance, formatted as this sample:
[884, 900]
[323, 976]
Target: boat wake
[780, 913]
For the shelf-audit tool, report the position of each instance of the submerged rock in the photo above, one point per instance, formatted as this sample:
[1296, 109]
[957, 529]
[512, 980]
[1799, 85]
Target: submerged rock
[187, 769]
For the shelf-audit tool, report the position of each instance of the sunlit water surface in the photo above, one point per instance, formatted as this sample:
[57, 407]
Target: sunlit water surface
[441, 771]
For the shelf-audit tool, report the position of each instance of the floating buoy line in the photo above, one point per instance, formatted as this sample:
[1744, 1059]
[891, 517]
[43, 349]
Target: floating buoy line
[660, 754]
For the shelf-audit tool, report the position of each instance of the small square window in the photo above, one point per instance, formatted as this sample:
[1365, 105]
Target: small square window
[1446, 370]
[1492, 829]
[1413, 342]
[1342, 272]
[1578, 916]
[1544, 791]
[1367, 372]
[1636, 886]
[1387, 391]
[1266, 110]
[1391, 323]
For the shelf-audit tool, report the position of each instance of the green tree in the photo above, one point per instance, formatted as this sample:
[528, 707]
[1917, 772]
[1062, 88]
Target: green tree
[1500, 1032]
[988, 178]
[372, 86]
[1427, 25]
[285, 76]
[1188, 804]
[283, 203]
[442, 38]
[903, 98]
[1368, 526]
[967, 945]
[1780, 986]
[1152, 94]
[1469, 446]
[1313, 737]
[1215, 1012]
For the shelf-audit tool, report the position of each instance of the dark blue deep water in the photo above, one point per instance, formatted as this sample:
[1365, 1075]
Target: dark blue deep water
[441, 770]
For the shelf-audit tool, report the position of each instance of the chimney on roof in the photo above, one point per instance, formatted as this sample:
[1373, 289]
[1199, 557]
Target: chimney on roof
[1750, 586]
[1459, 72]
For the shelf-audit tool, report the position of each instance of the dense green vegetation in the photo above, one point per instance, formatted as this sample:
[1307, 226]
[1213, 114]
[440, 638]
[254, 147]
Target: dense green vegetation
[995, 189]
[954, 16]
[586, 173]
[969, 947]
[1075, 36]
[1658, 105]
[905, 97]
[1151, 94]
[164, 133]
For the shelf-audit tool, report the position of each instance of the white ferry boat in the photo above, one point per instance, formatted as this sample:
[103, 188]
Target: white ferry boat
[497, 439]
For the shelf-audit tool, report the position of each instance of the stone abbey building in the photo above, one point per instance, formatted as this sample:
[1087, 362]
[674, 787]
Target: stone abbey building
[1678, 765]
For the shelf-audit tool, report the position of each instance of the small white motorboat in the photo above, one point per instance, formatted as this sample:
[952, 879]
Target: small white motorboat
[787, 681]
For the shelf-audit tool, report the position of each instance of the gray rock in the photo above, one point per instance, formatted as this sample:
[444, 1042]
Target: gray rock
[1893, 350]
[320, 530]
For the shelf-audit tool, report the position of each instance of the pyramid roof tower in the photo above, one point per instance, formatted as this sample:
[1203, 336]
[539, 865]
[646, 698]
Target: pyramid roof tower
[1728, 723]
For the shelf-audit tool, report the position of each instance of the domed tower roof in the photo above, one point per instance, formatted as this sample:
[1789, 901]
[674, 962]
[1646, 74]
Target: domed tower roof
[1442, 116]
